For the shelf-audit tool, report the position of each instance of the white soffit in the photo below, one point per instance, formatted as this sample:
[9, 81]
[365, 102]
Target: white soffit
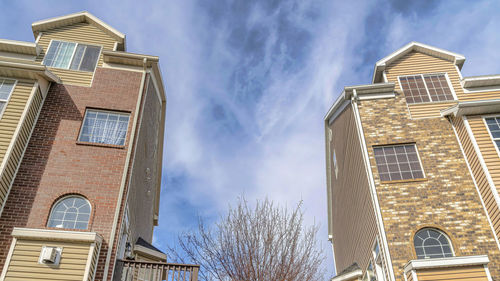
[446, 262]
[19, 47]
[380, 66]
[55, 235]
[473, 108]
[481, 81]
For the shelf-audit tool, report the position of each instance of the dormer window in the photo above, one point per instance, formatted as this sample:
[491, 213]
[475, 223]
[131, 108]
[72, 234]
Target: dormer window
[426, 88]
[74, 56]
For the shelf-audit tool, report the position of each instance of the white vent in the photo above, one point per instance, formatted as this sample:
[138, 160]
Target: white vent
[50, 255]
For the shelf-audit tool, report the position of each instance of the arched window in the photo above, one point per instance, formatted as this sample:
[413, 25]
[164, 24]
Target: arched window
[432, 243]
[70, 212]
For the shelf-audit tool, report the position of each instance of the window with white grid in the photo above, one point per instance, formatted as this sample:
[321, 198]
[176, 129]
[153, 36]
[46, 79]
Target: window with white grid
[432, 243]
[70, 212]
[494, 128]
[398, 162]
[104, 127]
[6, 89]
[426, 87]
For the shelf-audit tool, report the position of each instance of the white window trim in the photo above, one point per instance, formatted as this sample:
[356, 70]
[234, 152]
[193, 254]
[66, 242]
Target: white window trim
[489, 132]
[425, 84]
[418, 156]
[73, 55]
[10, 95]
[66, 197]
[106, 111]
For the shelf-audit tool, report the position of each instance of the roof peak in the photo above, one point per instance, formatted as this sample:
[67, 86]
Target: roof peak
[78, 17]
[380, 66]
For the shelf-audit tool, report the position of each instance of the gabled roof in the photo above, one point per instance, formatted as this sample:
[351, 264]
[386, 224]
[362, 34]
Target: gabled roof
[79, 17]
[380, 66]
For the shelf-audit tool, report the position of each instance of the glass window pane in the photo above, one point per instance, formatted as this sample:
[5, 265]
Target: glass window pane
[70, 212]
[431, 243]
[62, 57]
[6, 87]
[77, 58]
[399, 161]
[90, 58]
[106, 128]
[49, 56]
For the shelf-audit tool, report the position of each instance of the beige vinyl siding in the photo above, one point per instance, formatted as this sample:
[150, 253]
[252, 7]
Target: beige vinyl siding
[8, 125]
[486, 146]
[24, 262]
[478, 173]
[487, 95]
[93, 265]
[428, 110]
[80, 33]
[466, 273]
[351, 199]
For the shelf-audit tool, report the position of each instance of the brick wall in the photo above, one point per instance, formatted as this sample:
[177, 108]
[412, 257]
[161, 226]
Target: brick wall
[54, 163]
[447, 199]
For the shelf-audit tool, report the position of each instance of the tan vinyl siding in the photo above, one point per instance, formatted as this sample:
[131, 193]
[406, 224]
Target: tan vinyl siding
[486, 95]
[409, 276]
[351, 199]
[428, 110]
[476, 273]
[93, 265]
[486, 146]
[81, 33]
[8, 125]
[24, 262]
[478, 173]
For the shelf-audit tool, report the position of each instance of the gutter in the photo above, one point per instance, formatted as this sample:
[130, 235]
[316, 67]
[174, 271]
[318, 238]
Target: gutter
[472, 108]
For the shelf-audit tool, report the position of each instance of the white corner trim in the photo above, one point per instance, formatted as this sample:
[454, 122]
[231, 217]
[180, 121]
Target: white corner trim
[373, 192]
[475, 185]
[348, 276]
[88, 265]
[414, 275]
[55, 235]
[488, 274]
[7, 260]
[481, 160]
[149, 252]
[446, 262]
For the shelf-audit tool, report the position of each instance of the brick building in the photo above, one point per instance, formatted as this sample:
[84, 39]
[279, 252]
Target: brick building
[413, 161]
[81, 143]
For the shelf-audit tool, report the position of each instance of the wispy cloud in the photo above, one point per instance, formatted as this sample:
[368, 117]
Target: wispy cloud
[248, 84]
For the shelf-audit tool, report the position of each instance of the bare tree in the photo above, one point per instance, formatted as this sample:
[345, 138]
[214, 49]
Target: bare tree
[265, 243]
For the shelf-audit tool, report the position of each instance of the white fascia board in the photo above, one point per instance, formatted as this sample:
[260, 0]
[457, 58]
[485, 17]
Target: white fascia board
[29, 48]
[348, 276]
[380, 66]
[55, 235]
[481, 81]
[473, 108]
[446, 262]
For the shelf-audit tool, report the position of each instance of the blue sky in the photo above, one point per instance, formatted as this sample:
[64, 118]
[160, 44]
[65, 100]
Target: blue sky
[249, 82]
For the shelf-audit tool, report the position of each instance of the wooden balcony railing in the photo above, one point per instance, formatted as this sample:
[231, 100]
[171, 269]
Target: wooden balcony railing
[154, 271]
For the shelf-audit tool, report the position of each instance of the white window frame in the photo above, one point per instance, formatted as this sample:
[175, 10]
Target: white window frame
[73, 55]
[64, 198]
[10, 95]
[427, 89]
[377, 258]
[106, 111]
[489, 132]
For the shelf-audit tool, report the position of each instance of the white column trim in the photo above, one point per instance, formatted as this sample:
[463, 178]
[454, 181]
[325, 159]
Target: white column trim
[7, 260]
[373, 192]
[89, 262]
[481, 160]
[414, 275]
[475, 185]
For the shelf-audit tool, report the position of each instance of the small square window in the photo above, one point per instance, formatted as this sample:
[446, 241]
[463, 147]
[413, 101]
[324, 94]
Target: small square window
[104, 127]
[398, 162]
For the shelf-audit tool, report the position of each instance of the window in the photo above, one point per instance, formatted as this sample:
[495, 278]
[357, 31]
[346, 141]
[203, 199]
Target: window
[398, 162]
[6, 88]
[73, 56]
[379, 270]
[104, 127]
[432, 243]
[70, 212]
[426, 88]
[370, 275]
[494, 127]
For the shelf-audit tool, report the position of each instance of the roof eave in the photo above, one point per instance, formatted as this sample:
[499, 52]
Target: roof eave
[472, 108]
